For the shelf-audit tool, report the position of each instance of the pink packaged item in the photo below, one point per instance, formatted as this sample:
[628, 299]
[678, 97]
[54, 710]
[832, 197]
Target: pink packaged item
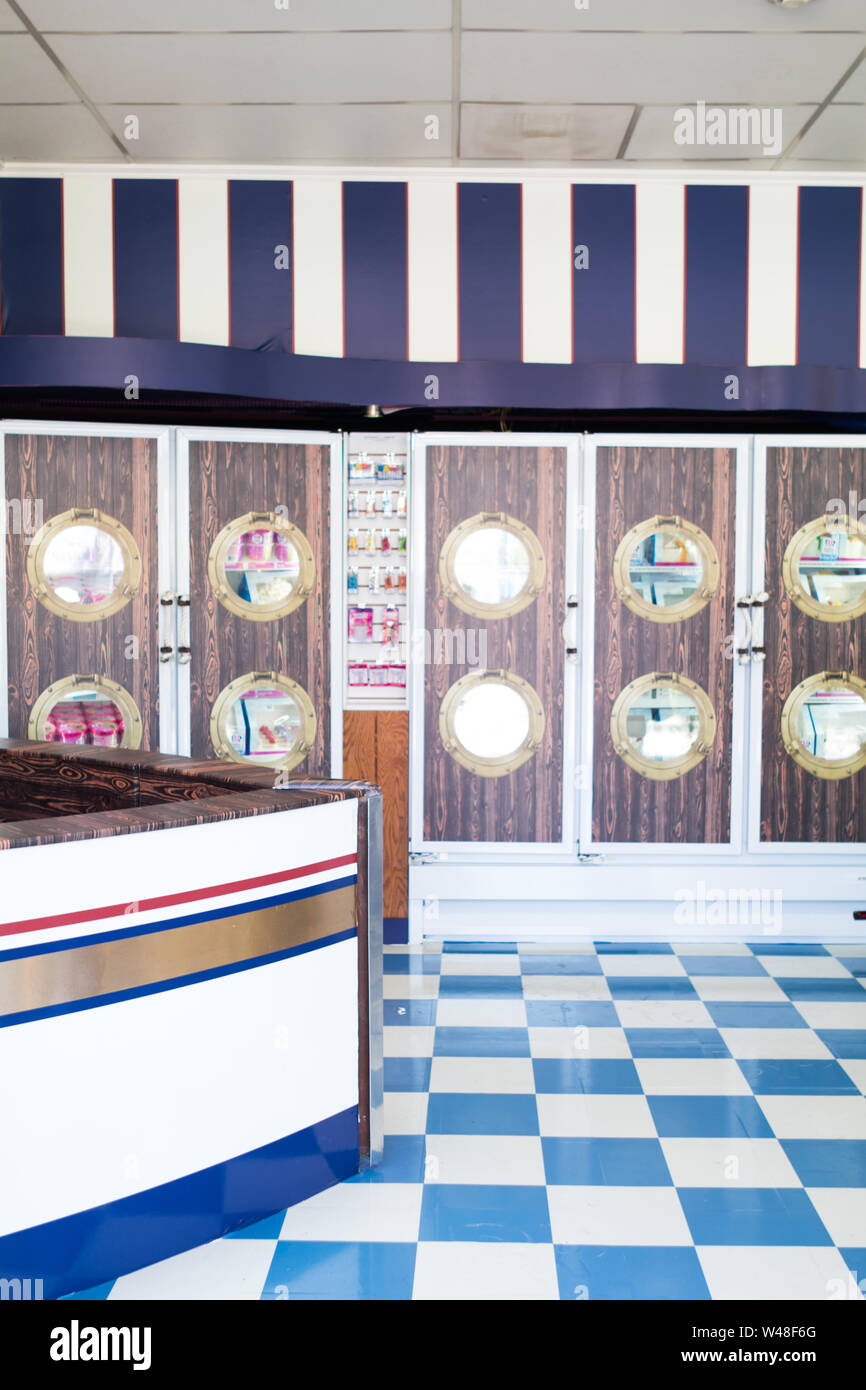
[358, 673]
[281, 548]
[397, 674]
[361, 624]
[258, 546]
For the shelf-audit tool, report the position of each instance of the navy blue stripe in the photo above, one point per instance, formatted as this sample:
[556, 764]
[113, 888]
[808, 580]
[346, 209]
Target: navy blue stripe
[260, 284]
[91, 1247]
[69, 943]
[828, 276]
[717, 249]
[145, 258]
[489, 263]
[120, 996]
[31, 255]
[603, 304]
[374, 260]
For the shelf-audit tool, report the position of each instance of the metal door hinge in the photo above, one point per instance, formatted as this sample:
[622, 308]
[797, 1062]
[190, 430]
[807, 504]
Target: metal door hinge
[418, 857]
[591, 858]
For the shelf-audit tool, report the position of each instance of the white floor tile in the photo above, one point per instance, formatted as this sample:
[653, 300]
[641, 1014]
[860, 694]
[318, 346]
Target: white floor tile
[595, 1116]
[409, 1041]
[789, 1272]
[617, 1216]
[592, 987]
[405, 1112]
[691, 1076]
[460, 964]
[805, 967]
[495, 1075]
[847, 948]
[481, 1013]
[410, 986]
[642, 965]
[557, 948]
[224, 1269]
[450, 1270]
[843, 1211]
[788, 1043]
[357, 1211]
[503, 1160]
[824, 1014]
[815, 1117]
[656, 1013]
[856, 1069]
[739, 989]
[728, 1163]
[578, 1042]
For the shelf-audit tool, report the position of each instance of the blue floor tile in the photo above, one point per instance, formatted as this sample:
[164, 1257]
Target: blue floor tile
[480, 987]
[269, 1229]
[856, 964]
[826, 991]
[343, 1270]
[611, 1076]
[634, 948]
[639, 987]
[560, 965]
[787, 948]
[454, 1113]
[828, 1162]
[722, 965]
[801, 1076]
[403, 1161]
[451, 1211]
[848, 1043]
[480, 948]
[571, 1013]
[855, 1259]
[407, 1073]
[481, 1042]
[773, 1015]
[676, 1042]
[613, 1162]
[410, 1013]
[709, 1117]
[752, 1216]
[414, 963]
[633, 1272]
[98, 1293]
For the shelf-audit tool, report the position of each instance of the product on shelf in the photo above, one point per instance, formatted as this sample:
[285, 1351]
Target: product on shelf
[387, 504]
[361, 467]
[389, 469]
[373, 581]
[401, 579]
[390, 628]
[371, 504]
[401, 540]
[386, 542]
[370, 543]
[353, 540]
[358, 673]
[352, 579]
[360, 624]
[401, 503]
[258, 546]
[397, 673]
[389, 578]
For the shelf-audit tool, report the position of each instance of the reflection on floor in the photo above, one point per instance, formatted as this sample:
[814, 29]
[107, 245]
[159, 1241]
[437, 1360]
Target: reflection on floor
[595, 1121]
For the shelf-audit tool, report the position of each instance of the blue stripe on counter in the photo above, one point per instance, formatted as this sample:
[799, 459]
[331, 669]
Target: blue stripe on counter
[374, 260]
[489, 271]
[198, 977]
[93, 1246]
[717, 249]
[828, 276]
[70, 943]
[260, 285]
[603, 221]
[145, 258]
[31, 255]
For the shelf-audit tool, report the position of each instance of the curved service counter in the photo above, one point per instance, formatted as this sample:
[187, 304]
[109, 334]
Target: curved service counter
[190, 1003]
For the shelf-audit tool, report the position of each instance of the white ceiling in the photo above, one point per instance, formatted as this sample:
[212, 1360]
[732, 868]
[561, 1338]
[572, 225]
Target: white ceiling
[528, 82]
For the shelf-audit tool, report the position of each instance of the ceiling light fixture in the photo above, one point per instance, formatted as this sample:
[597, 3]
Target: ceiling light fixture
[790, 4]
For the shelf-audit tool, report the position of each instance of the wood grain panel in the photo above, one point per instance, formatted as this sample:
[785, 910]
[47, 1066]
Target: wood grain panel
[229, 478]
[528, 483]
[117, 476]
[392, 759]
[359, 744]
[796, 807]
[632, 485]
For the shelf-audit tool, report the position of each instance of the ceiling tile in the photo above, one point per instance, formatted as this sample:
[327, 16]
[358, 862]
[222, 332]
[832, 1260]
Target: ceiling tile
[27, 73]
[855, 87]
[256, 67]
[676, 15]
[51, 133]
[533, 133]
[653, 138]
[762, 68]
[838, 135]
[220, 16]
[8, 19]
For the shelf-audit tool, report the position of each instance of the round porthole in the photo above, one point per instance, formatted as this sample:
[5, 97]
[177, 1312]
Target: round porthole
[263, 718]
[666, 569]
[261, 567]
[491, 722]
[86, 710]
[824, 569]
[83, 565]
[824, 724]
[662, 725]
[492, 565]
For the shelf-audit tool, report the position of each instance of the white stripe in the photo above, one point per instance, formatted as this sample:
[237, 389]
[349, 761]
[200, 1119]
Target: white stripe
[203, 260]
[772, 319]
[547, 271]
[863, 278]
[317, 218]
[432, 253]
[88, 256]
[660, 265]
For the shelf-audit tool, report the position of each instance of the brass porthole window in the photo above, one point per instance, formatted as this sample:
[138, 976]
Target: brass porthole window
[666, 569]
[83, 565]
[662, 725]
[263, 718]
[491, 722]
[492, 565]
[261, 567]
[824, 569]
[86, 710]
[824, 724]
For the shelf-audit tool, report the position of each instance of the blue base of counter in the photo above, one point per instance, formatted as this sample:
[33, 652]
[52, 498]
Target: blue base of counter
[395, 930]
[91, 1247]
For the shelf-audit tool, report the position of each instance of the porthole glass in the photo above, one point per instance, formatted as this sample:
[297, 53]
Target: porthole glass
[89, 710]
[666, 569]
[824, 569]
[492, 565]
[261, 567]
[824, 724]
[491, 722]
[263, 718]
[662, 725]
[83, 565]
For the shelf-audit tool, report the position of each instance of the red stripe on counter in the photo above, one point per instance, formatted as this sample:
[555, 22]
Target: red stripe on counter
[242, 885]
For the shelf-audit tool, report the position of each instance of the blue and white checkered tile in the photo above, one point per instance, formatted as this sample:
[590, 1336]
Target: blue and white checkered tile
[607, 1120]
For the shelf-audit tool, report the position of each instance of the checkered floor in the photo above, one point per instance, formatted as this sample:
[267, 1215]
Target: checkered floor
[608, 1120]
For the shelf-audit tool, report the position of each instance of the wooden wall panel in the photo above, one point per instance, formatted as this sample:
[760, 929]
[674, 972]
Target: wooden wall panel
[117, 476]
[376, 749]
[227, 479]
[795, 806]
[359, 744]
[632, 485]
[528, 483]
